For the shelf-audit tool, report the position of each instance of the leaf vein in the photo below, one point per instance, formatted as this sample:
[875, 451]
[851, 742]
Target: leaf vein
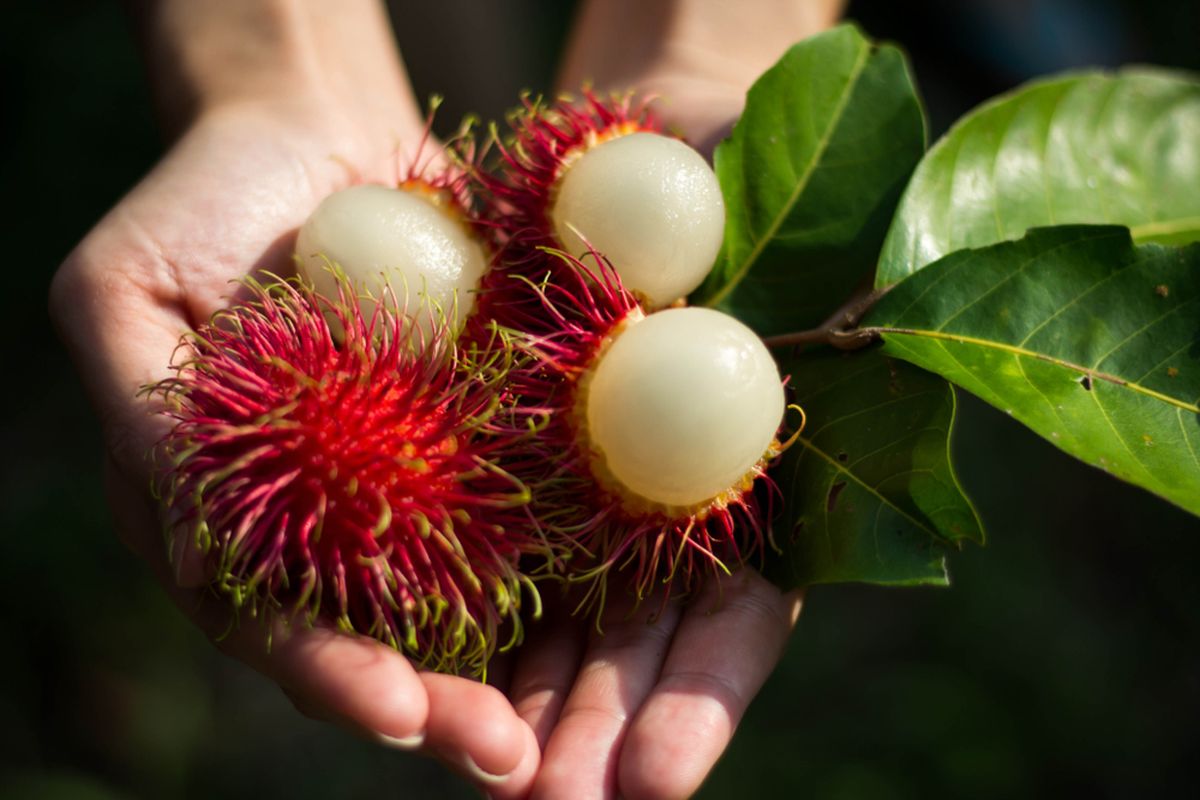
[995, 163]
[807, 444]
[1186, 439]
[1053, 409]
[1076, 299]
[897, 440]
[970, 340]
[1153, 481]
[1045, 173]
[1153, 367]
[1143, 329]
[1028, 262]
[761, 242]
[1164, 227]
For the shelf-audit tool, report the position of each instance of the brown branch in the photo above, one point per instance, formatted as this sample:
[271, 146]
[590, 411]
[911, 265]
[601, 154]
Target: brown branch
[839, 330]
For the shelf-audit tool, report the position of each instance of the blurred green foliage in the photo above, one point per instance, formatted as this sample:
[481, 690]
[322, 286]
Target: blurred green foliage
[1066, 656]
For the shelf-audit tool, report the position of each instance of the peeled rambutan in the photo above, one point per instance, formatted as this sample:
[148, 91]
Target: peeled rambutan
[596, 175]
[543, 140]
[417, 235]
[352, 480]
[656, 431]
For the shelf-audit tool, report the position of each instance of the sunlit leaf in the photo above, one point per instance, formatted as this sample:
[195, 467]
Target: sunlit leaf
[811, 175]
[1085, 148]
[1090, 340]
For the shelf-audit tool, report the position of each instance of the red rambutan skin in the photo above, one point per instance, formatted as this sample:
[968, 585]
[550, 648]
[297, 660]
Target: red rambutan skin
[516, 196]
[443, 173]
[351, 481]
[609, 537]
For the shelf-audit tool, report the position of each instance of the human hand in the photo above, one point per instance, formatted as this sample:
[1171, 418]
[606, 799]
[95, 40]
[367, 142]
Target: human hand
[609, 710]
[645, 710]
[699, 57]
[257, 150]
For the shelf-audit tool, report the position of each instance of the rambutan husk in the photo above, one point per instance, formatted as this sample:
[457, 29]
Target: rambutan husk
[612, 535]
[356, 480]
[443, 173]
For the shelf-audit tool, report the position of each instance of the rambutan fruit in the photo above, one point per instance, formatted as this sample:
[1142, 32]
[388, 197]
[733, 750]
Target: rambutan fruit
[351, 480]
[657, 430]
[416, 235]
[600, 175]
[651, 204]
[402, 236]
[679, 410]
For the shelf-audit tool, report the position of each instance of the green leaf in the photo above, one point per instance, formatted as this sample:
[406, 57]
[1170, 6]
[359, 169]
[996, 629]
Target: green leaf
[868, 491]
[1090, 340]
[1085, 148]
[811, 175]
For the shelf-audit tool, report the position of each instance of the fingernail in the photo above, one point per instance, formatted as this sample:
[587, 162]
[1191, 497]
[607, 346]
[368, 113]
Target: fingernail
[406, 743]
[477, 773]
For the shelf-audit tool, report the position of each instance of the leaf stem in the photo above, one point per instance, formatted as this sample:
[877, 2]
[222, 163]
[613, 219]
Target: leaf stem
[840, 329]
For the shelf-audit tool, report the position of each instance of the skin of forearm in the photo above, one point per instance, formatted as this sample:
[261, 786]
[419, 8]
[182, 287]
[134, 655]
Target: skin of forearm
[730, 42]
[207, 54]
[700, 55]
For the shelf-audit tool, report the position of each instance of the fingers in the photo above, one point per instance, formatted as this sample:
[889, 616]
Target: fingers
[353, 679]
[618, 671]
[727, 644]
[335, 676]
[545, 670]
[362, 685]
[474, 728]
[373, 690]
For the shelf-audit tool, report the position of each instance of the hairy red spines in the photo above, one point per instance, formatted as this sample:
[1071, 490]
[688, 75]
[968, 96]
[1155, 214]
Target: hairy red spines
[394, 485]
[567, 311]
[608, 538]
[353, 481]
[515, 196]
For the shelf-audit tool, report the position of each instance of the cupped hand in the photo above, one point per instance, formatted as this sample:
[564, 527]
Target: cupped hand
[644, 710]
[224, 203]
[648, 707]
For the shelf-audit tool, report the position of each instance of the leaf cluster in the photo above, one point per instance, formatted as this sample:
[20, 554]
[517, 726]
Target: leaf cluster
[1038, 256]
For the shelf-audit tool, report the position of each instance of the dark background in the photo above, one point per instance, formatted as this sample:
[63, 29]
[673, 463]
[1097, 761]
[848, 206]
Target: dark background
[1066, 657]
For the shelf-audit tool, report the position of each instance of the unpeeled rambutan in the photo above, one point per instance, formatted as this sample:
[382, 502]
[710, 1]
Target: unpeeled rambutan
[352, 480]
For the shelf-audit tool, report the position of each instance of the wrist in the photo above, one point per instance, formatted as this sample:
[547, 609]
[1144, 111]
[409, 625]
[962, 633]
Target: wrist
[203, 57]
[700, 57]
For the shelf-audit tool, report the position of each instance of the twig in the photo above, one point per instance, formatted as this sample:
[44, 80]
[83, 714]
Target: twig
[839, 330]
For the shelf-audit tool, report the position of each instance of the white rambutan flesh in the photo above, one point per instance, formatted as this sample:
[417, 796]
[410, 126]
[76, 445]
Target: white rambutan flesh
[682, 407]
[378, 235]
[648, 203]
